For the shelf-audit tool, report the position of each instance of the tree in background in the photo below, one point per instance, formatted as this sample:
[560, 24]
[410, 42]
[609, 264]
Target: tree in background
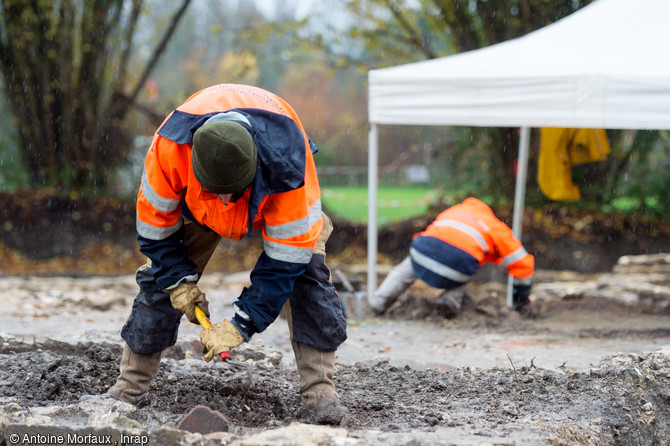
[210, 48]
[69, 84]
[393, 32]
[239, 43]
[82, 79]
[333, 110]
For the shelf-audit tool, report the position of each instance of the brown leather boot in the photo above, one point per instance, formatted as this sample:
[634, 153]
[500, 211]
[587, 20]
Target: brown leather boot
[136, 373]
[317, 391]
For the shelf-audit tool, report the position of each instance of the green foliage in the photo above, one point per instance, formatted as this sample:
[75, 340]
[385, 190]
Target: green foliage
[642, 175]
[12, 172]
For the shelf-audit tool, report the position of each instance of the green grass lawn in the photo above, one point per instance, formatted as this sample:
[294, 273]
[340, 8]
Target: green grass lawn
[393, 203]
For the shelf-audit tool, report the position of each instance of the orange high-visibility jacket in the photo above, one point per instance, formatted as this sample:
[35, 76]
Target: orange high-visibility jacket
[284, 198]
[471, 227]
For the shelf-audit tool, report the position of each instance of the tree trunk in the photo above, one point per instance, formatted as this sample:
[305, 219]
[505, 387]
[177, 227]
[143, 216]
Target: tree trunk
[65, 67]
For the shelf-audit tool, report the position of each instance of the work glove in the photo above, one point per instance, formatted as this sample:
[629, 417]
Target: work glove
[185, 297]
[520, 296]
[221, 337]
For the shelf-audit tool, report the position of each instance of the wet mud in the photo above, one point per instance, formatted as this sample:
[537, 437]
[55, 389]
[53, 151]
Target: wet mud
[624, 400]
[452, 392]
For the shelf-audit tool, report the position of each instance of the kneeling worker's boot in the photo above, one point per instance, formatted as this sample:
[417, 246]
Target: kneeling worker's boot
[136, 373]
[316, 384]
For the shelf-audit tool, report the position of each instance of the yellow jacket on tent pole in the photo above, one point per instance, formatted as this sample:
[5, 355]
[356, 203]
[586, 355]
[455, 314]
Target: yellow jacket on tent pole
[560, 149]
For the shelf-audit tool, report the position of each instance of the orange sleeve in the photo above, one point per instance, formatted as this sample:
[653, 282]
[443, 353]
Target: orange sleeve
[162, 188]
[510, 252]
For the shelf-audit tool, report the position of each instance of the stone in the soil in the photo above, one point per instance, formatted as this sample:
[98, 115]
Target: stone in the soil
[203, 420]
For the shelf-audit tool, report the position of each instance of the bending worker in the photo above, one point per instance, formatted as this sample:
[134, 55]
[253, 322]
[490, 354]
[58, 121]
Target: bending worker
[449, 252]
[231, 160]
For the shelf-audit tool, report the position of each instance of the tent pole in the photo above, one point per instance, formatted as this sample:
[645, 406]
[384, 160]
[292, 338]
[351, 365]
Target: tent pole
[519, 197]
[372, 210]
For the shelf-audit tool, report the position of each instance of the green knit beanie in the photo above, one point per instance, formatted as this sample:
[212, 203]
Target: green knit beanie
[223, 157]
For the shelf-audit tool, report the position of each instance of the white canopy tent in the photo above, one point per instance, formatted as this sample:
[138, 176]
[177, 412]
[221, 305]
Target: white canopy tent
[605, 66]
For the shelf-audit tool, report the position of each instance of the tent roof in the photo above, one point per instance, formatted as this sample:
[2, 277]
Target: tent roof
[604, 66]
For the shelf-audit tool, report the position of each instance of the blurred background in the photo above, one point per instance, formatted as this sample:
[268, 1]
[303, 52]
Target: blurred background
[85, 84]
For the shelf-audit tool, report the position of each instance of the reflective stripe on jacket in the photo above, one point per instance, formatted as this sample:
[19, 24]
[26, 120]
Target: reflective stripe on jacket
[472, 227]
[284, 198]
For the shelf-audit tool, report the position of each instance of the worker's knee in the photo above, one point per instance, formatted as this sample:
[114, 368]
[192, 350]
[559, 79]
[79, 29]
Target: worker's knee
[316, 312]
[151, 329]
[153, 323]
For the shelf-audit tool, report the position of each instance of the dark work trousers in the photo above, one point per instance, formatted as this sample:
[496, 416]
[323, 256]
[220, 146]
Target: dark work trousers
[314, 312]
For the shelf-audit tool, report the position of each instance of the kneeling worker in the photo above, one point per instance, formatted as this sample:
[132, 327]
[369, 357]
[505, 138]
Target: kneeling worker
[450, 251]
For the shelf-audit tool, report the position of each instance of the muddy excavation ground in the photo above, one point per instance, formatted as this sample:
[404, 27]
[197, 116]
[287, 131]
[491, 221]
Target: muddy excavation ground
[592, 368]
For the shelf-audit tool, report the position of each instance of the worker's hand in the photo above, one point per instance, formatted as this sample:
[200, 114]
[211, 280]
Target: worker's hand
[221, 337]
[520, 296]
[185, 297]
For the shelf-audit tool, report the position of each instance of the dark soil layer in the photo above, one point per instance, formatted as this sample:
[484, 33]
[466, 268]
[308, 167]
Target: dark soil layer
[614, 397]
